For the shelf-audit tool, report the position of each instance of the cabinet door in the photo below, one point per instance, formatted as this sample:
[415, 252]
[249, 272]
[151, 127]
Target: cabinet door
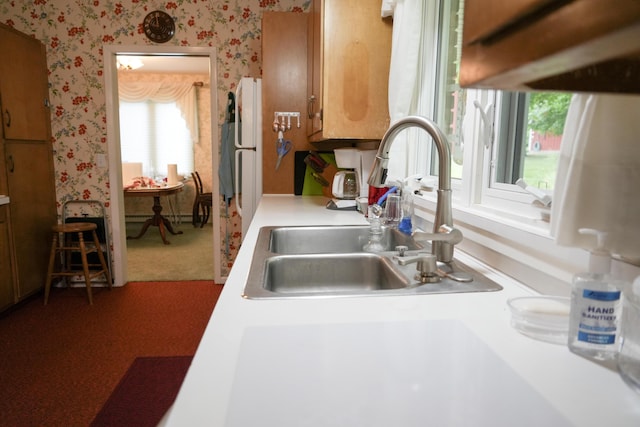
[578, 45]
[351, 51]
[490, 17]
[6, 269]
[314, 70]
[23, 86]
[33, 210]
[284, 84]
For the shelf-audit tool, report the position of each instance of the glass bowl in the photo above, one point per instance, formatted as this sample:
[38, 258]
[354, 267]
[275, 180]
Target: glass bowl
[545, 318]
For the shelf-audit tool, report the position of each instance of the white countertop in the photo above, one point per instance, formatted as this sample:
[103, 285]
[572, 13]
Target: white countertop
[443, 360]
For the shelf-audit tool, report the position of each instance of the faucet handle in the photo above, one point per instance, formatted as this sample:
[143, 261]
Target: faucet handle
[426, 265]
[401, 249]
[445, 234]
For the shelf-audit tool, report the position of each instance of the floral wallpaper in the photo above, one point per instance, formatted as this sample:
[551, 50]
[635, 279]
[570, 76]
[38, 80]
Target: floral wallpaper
[75, 31]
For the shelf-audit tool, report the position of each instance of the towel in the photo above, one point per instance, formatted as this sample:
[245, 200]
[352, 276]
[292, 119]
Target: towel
[409, 47]
[226, 169]
[598, 178]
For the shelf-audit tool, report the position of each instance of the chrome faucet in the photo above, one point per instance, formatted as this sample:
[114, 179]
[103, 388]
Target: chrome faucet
[441, 244]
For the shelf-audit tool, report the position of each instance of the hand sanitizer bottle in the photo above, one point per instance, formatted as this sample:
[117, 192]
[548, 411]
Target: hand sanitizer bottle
[595, 306]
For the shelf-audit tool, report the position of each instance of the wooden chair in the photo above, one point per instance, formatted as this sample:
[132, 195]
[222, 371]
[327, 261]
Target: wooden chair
[202, 202]
[67, 239]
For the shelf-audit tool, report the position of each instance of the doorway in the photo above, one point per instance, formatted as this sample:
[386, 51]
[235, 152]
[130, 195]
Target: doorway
[118, 228]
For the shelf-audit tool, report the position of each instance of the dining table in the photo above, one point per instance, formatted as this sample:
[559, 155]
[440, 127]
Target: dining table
[163, 223]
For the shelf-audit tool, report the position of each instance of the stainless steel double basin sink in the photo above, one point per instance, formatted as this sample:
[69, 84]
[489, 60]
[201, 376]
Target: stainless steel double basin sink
[329, 261]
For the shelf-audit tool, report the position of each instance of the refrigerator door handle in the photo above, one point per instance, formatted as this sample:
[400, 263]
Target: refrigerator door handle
[237, 121]
[236, 184]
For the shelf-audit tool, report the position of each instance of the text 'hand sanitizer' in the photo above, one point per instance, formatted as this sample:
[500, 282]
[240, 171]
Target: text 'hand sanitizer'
[595, 306]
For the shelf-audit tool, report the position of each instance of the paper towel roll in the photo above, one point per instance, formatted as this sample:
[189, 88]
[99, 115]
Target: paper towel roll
[172, 174]
[366, 162]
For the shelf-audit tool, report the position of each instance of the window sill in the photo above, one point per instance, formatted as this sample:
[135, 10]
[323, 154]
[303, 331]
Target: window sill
[518, 244]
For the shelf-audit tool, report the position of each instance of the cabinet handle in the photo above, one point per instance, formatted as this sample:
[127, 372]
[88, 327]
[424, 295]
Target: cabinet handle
[10, 163]
[312, 100]
[7, 118]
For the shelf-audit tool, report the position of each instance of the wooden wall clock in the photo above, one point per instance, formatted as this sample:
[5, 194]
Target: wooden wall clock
[159, 26]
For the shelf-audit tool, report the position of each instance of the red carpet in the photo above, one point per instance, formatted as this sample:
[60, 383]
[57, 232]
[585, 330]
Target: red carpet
[59, 363]
[145, 392]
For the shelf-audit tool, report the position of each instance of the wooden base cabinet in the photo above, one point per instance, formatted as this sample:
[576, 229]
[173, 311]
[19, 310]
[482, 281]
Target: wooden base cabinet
[28, 175]
[7, 296]
[33, 211]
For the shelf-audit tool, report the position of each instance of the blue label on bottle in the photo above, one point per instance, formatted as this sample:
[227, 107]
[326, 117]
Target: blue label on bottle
[608, 327]
[601, 295]
[596, 338]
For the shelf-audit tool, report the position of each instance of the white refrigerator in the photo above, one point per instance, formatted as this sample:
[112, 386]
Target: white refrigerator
[248, 144]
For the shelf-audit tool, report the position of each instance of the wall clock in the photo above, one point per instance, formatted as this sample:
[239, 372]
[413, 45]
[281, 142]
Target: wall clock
[159, 26]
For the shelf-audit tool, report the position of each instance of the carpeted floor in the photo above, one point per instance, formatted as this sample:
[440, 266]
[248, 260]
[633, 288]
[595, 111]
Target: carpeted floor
[189, 256]
[60, 362]
[145, 393]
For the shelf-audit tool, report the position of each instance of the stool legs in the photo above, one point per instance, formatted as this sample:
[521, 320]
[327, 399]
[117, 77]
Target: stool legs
[103, 261]
[85, 266]
[52, 261]
[65, 245]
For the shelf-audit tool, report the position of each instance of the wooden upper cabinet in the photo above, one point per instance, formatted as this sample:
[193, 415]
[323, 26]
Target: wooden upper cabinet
[24, 90]
[349, 51]
[491, 17]
[27, 171]
[565, 45]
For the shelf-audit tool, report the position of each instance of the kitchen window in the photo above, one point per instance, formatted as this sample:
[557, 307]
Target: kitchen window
[496, 137]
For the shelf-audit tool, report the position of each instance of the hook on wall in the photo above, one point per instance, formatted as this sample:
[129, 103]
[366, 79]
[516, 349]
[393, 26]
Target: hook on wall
[282, 120]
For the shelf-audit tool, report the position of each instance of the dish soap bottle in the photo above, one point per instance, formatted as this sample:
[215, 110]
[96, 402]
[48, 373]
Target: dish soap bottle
[405, 224]
[594, 320]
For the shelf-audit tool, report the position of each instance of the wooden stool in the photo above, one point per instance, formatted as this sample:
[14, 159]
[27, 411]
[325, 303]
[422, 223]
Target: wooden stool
[67, 246]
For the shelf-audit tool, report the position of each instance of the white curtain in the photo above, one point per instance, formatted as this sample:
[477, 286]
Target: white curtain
[598, 178]
[406, 49]
[412, 74]
[183, 94]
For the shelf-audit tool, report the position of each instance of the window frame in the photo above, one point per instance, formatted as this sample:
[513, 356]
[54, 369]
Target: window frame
[500, 224]
[478, 186]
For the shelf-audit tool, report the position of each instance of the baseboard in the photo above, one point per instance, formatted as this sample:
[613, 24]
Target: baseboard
[135, 218]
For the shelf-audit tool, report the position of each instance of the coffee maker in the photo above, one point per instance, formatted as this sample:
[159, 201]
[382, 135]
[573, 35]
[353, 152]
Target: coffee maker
[345, 185]
[351, 181]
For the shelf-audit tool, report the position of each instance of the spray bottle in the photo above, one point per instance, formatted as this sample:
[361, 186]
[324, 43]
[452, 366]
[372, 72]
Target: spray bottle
[405, 224]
